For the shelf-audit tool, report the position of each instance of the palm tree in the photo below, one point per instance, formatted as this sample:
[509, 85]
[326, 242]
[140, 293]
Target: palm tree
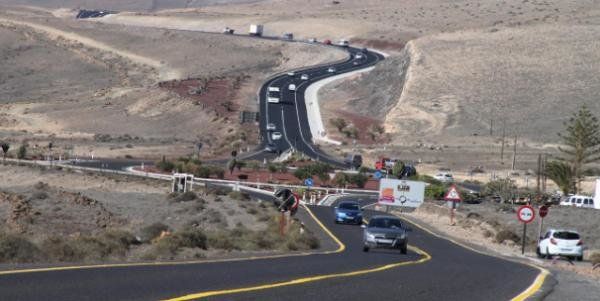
[562, 174]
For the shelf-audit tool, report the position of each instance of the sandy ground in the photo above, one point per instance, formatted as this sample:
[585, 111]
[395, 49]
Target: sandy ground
[126, 64]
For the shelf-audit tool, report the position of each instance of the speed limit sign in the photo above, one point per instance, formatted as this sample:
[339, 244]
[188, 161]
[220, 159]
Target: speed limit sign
[526, 214]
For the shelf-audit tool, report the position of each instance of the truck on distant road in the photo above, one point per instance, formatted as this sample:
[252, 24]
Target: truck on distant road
[288, 36]
[256, 30]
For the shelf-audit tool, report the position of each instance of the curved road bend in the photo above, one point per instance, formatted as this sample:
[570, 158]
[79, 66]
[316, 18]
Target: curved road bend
[290, 115]
[452, 273]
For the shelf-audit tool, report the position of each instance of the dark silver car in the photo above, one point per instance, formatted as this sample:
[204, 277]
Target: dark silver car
[385, 232]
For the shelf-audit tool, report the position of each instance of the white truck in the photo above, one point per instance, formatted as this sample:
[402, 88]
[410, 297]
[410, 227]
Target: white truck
[272, 99]
[256, 30]
[344, 43]
[292, 87]
[273, 89]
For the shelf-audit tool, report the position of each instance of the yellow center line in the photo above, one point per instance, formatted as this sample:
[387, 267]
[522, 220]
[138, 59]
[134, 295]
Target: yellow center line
[425, 257]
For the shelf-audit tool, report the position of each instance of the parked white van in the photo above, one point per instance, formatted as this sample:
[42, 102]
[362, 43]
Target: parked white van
[580, 201]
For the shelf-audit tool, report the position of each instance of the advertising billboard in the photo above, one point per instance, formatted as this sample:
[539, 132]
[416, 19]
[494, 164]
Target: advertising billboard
[393, 192]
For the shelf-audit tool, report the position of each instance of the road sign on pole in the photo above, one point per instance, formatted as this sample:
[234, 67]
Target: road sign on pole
[525, 214]
[543, 211]
[453, 194]
[377, 175]
[308, 182]
[453, 197]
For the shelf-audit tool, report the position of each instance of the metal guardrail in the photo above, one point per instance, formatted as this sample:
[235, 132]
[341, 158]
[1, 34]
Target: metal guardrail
[158, 176]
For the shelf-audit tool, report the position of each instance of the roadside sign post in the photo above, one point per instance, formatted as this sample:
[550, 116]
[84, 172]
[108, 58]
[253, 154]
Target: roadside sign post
[525, 214]
[543, 211]
[453, 198]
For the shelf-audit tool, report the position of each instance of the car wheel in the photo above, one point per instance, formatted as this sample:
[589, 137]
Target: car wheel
[580, 258]
[548, 255]
[403, 250]
[365, 249]
[539, 254]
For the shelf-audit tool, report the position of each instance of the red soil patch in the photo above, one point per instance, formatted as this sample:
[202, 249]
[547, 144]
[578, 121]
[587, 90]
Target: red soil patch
[380, 44]
[215, 94]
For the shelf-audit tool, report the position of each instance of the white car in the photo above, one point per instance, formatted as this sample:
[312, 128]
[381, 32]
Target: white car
[304, 77]
[561, 243]
[358, 56]
[272, 99]
[331, 69]
[292, 87]
[291, 73]
[271, 127]
[444, 177]
[312, 40]
[355, 63]
[580, 201]
[273, 89]
[276, 136]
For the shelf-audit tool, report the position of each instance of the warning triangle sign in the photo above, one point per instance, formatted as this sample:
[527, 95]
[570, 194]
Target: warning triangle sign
[453, 194]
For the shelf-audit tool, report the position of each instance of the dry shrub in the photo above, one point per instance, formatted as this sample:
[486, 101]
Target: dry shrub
[187, 238]
[182, 197]
[111, 244]
[505, 234]
[39, 195]
[17, 249]
[151, 232]
[595, 258]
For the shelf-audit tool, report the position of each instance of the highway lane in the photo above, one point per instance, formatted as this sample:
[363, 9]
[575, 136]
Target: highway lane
[453, 273]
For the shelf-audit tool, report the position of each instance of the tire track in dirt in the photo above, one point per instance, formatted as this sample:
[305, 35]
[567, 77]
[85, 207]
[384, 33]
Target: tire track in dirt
[164, 71]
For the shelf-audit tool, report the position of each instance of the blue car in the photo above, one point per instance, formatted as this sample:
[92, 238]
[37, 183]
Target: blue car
[348, 212]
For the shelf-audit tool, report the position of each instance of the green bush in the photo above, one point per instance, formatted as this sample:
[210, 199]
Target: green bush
[167, 166]
[359, 180]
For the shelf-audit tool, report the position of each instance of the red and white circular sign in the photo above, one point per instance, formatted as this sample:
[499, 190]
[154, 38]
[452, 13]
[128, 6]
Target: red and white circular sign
[526, 214]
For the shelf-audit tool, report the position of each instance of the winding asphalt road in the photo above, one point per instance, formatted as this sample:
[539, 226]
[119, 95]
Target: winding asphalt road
[290, 115]
[434, 269]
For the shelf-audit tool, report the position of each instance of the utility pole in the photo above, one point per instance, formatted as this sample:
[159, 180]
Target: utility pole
[491, 126]
[539, 174]
[514, 161]
[545, 177]
[502, 148]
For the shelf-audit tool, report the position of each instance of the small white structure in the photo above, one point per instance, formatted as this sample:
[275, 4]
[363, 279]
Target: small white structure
[597, 195]
[182, 182]
[256, 30]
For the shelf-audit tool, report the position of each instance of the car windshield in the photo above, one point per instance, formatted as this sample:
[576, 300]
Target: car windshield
[391, 223]
[566, 235]
[349, 206]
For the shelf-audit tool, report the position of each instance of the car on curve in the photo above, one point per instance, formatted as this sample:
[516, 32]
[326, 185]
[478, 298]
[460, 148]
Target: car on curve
[348, 212]
[304, 77]
[387, 232]
[331, 70]
[566, 243]
[276, 136]
[271, 127]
